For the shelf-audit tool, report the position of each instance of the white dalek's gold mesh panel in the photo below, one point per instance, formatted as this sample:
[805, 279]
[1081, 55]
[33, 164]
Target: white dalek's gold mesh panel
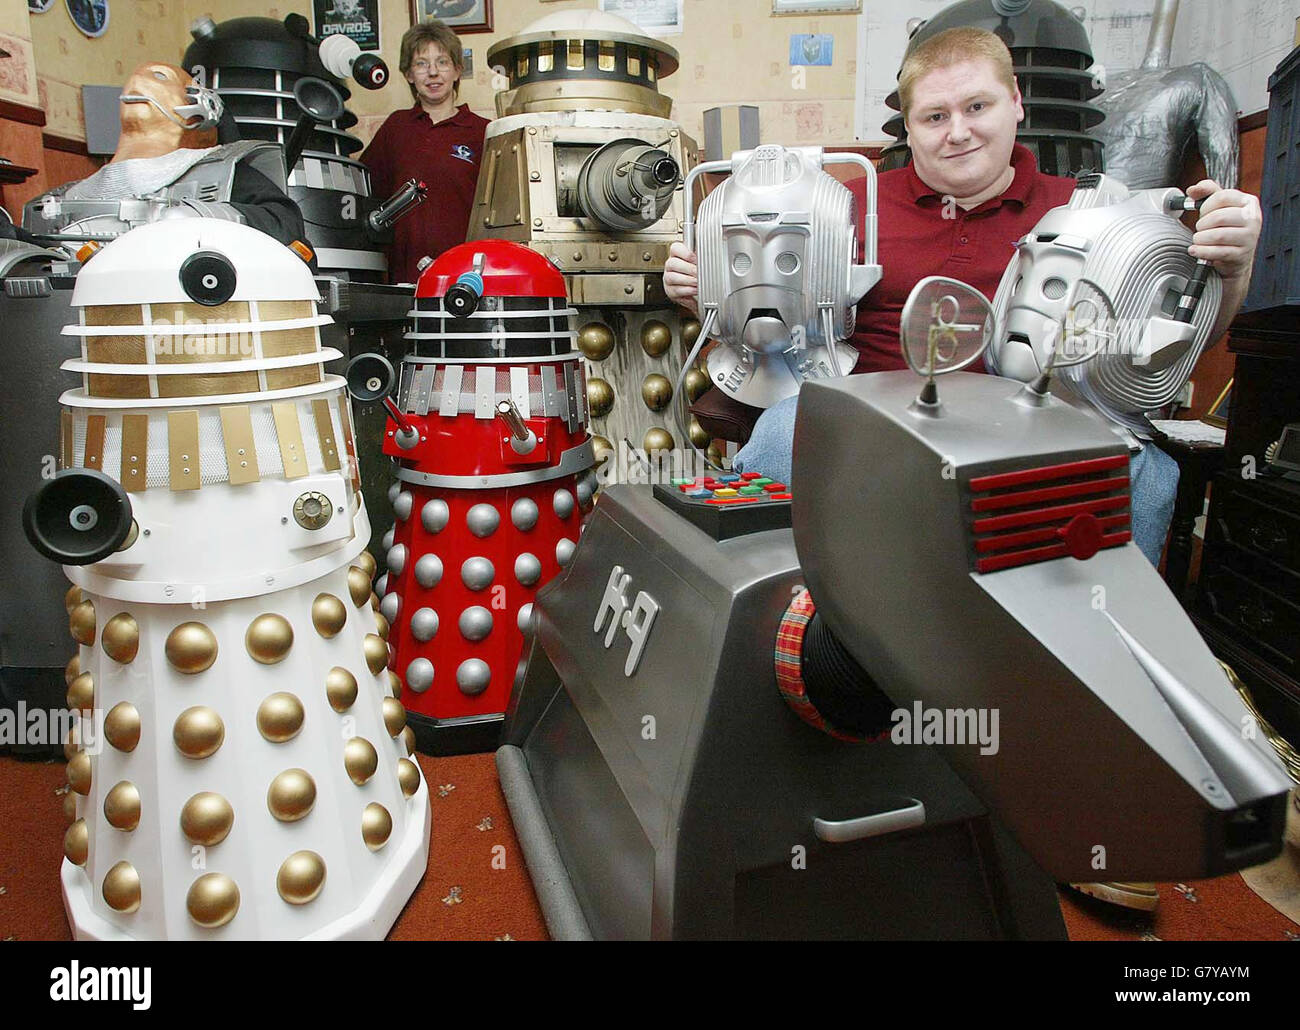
[240, 334]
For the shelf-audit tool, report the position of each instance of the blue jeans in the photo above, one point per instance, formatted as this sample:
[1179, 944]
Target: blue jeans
[1153, 474]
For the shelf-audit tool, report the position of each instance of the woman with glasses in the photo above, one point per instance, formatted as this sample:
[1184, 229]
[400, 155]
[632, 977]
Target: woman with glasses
[435, 141]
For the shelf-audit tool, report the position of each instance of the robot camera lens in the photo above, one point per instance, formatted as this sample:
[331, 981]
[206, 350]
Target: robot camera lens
[83, 517]
[208, 278]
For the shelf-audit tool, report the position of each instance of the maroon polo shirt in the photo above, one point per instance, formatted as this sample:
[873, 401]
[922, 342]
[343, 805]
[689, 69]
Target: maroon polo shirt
[446, 158]
[914, 239]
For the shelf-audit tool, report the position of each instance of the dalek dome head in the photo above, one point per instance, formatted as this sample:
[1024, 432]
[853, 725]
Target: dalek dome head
[491, 298]
[200, 261]
[583, 60]
[206, 307]
[1018, 23]
[256, 42]
[505, 269]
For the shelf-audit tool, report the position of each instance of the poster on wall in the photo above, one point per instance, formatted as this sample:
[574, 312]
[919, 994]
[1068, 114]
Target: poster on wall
[657, 17]
[356, 19]
[18, 71]
[461, 16]
[812, 49]
[90, 16]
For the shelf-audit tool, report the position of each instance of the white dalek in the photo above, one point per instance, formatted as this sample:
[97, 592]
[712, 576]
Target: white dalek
[242, 767]
[779, 273]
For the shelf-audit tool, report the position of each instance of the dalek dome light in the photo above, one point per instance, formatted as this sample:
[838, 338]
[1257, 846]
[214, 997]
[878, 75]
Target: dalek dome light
[149, 265]
[506, 270]
[255, 42]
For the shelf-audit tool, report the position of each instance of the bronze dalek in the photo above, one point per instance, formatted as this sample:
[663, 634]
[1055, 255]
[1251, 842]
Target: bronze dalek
[584, 166]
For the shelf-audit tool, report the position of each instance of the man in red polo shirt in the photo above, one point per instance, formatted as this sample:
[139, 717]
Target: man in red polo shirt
[434, 141]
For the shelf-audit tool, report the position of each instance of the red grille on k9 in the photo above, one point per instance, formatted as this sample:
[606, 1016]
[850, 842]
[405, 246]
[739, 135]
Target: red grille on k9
[1073, 509]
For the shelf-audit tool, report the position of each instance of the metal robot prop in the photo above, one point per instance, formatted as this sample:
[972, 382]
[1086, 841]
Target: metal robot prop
[231, 683]
[780, 279]
[1107, 281]
[256, 65]
[167, 165]
[489, 433]
[584, 165]
[954, 542]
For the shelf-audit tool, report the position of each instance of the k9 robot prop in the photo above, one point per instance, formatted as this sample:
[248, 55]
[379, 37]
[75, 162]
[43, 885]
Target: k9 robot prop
[724, 729]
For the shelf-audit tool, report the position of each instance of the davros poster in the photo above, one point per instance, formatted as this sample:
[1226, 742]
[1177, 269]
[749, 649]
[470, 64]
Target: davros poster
[357, 19]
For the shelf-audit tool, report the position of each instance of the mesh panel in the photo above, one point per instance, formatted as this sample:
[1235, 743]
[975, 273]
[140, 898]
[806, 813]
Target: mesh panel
[469, 394]
[267, 442]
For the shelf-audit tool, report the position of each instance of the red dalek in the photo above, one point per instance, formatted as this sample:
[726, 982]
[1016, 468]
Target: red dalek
[494, 476]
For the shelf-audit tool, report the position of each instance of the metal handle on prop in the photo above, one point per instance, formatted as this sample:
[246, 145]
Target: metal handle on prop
[869, 212]
[843, 831]
[688, 231]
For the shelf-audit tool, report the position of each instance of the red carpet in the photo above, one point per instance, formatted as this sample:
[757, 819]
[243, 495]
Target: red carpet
[463, 897]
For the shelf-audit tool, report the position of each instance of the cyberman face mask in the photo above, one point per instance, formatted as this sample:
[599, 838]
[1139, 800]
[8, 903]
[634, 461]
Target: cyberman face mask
[1093, 293]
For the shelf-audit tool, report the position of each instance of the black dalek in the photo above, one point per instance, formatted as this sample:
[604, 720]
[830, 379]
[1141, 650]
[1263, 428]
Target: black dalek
[258, 66]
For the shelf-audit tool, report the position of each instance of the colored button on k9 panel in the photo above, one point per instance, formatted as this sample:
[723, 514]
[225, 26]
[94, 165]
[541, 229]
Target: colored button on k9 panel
[700, 495]
[726, 491]
[747, 476]
[774, 488]
[751, 490]
[729, 477]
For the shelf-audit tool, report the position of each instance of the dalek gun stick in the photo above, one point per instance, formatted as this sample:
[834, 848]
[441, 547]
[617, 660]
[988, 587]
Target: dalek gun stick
[400, 204]
[208, 511]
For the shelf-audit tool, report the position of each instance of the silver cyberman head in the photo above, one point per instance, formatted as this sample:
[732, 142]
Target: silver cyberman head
[779, 278]
[1093, 290]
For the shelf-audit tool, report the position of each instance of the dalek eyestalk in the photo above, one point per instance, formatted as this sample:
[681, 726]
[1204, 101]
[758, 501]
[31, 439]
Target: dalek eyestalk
[462, 298]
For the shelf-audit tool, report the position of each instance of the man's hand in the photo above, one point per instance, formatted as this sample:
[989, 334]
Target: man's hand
[681, 277]
[1227, 230]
